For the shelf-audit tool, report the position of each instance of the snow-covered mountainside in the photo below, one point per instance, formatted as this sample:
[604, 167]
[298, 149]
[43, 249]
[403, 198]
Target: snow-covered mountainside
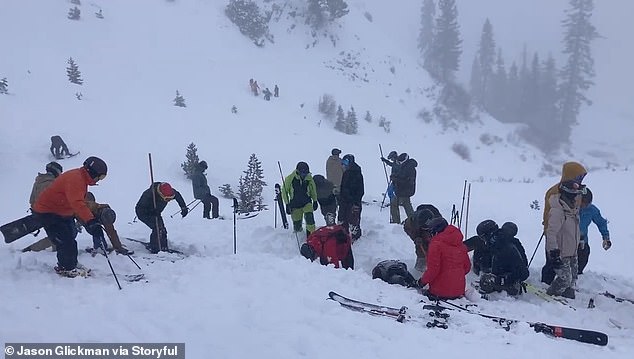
[268, 301]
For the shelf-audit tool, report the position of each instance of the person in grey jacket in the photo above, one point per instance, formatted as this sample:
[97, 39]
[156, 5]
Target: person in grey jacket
[562, 238]
[334, 169]
[43, 180]
[202, 191]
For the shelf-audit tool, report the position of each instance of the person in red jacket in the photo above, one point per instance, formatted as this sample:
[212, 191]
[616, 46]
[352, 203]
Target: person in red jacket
[331, 244]
[62, 201]
[447, 261]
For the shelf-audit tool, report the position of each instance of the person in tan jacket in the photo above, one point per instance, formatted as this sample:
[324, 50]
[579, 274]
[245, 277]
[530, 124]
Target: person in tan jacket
[562, 238]
[571, 172]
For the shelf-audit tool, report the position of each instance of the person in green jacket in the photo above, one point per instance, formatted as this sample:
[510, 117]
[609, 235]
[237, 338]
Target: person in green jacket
[300, 196]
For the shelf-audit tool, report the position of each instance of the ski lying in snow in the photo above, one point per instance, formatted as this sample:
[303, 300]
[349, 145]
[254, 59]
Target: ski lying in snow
[395, 313]
[618, 299]
[547, 297]
[247, 215]
[580, 335]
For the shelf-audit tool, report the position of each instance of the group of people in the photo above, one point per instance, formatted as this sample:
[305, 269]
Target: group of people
[255, 89]
[441, 254]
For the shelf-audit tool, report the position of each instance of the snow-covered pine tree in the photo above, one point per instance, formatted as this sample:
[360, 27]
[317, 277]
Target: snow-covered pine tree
[475, 81]
[226, 191]
[497, 96]
[74, 13]
[340, 124]
[74, 75]
[191, 160]
[443, 59]
[576, 75]
[250, 187]
[368, 117]
[328, 106]
[337, 9]
[426, 34]
[486, 61]
[247, 16]
[4, 86]
[76, 2]
[179, 100]
[352, 125]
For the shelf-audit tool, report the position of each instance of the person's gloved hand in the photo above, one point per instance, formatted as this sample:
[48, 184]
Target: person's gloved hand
[555, 258]
[184, 211]
[315, 205]
[93, 227]
[421, 284]
[288, 209]
[582, 246]
[384, 159]
[607, 243]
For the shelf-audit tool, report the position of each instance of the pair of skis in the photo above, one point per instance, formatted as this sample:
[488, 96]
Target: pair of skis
[580, 335]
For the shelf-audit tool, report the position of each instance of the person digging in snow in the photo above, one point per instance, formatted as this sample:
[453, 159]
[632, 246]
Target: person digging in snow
[332, 245]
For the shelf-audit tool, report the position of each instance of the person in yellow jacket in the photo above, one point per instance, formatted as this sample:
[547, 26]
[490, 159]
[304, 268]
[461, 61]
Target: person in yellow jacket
[300, 196]
[571, 173]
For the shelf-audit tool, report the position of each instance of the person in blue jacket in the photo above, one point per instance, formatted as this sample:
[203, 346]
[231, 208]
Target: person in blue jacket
[590, 213]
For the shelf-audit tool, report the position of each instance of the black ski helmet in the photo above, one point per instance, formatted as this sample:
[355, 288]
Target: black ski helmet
[487, 228]
[302, 168]
[436, 225]
[392, 156]
[202, 165]
[96, 167]
[347, 160]
[54, 168]
[510, 229]
[335, 151]
[403, 157]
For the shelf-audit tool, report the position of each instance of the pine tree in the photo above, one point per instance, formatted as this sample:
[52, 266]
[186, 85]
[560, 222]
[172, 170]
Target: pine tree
[368, 117]
[577, 73]
[191, 160]
[226, 191]
[74, 13]
[497, 97]
[75, 2]
[74, 75]
[340, 124]
[4, 86]
[316, 13]
[250, 187]
[352, 125]
[444, 55]
[247, 16]
[475, 81]
[337, 9]
[486, 60]
[179, 100]
[426, 35]
[513, 93]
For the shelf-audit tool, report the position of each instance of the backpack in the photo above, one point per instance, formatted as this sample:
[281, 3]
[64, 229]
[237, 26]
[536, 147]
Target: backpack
[394, 272]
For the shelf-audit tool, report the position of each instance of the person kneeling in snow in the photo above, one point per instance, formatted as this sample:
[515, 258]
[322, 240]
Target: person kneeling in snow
[331, 244]
[506, 266]
[394, 272]
[447, 261]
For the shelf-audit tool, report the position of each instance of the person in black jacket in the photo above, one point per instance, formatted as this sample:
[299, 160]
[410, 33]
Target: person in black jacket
[501, 259]
[350, 195]
[202, 191]
[326, 198]
[58, 147]
[149, 208]
[404, 181]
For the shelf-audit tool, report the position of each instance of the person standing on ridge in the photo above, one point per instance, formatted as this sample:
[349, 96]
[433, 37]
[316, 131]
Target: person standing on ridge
[203, 192]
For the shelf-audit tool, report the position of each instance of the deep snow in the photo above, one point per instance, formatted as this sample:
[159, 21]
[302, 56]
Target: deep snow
[267, 301]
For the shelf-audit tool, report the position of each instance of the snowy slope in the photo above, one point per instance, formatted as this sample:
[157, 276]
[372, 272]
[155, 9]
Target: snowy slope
[266, 301]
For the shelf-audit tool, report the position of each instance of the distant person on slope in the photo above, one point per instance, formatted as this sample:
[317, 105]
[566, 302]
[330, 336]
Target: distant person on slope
[447, 261]
[587, 214]
[352, 190]
[326, 199]
[267, 94]
[203, 192]
[332, 245]
[58, 147]
[149, 208]
[404, 181]
[300, 196]
[63, 200]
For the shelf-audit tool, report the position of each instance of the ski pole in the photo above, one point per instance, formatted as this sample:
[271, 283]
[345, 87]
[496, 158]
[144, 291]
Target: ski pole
[235, 210]
[190, 209]
[105, 253]
[464, 189]
[535, 251]
[386, 180]
[133, 261]
[466, 223]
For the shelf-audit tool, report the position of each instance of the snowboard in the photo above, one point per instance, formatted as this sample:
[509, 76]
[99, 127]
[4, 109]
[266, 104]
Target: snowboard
[19, 228]
[280, 205]
[65, 156]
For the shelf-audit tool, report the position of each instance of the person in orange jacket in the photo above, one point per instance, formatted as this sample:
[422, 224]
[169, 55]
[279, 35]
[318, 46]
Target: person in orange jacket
[62, 201]
[447, 261]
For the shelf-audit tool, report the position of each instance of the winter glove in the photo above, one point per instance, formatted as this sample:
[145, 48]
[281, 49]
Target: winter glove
[607, 243]
[384, 159]
[555, 259]
[288, 209]
[93, 227]
[582, 246]
[184, 211]
[421, 284]
[314, 205]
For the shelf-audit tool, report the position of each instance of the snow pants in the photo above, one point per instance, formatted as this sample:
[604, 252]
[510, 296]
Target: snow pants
[395, 211]
[307, 213]
[61, 231]
[565, 277]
